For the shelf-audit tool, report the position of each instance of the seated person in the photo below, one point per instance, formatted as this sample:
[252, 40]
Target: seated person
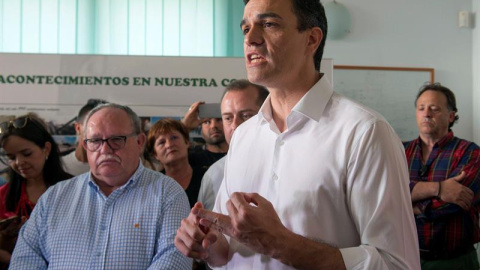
[34, 165]
[119, 216]
[168, 142]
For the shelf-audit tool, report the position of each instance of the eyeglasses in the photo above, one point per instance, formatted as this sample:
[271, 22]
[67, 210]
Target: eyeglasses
[114, 142]
[20, 122]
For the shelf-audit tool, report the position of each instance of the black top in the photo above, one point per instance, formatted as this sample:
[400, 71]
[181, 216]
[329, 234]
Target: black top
[203, 158]
[195, 182]
[194, 186]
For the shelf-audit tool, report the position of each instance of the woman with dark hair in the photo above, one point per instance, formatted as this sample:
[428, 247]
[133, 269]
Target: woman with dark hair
[168, 142]
[34, 165]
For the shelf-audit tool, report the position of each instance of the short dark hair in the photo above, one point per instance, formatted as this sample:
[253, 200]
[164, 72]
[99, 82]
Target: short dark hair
[244, 84]
[91, 103]
[164, 126]
[451, 101]
[310, 13]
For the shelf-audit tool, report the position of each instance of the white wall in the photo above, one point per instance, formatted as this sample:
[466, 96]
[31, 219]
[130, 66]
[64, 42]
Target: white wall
[476, 72]
[414, 33]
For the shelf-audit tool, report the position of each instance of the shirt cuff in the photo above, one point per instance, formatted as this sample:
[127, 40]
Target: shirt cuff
[353, 256]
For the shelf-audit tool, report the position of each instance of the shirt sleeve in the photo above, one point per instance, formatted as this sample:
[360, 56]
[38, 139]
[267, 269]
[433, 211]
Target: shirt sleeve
[206, 195]
[29, 250]
[435, 208]
[380, 203]
[167, 255]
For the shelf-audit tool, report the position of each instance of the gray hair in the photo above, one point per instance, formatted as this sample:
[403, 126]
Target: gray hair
[134, 119]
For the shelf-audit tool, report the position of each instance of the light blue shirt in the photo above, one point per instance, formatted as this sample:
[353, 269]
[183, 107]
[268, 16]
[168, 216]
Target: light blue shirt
[75, 226]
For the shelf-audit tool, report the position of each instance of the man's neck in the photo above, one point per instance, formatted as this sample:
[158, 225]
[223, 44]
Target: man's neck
[285, 98]
[428, 141]
[105, 188]
[217, 148]
[80, 154]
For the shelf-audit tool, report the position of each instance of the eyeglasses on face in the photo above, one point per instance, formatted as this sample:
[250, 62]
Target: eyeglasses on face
[114, 142]
[20, 122]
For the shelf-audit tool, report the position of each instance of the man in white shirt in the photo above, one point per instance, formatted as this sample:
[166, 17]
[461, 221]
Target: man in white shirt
[314, 180]
[240, 101]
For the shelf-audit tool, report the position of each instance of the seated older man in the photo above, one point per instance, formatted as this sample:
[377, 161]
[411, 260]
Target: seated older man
[119, 216]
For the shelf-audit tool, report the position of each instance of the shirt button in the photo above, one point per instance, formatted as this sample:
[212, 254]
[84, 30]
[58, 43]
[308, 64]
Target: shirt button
[99, 254]
[281, 143]
[103, 228]
[275, 177]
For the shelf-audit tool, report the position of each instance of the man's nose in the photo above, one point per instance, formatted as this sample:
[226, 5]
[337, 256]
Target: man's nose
[253, 36]
[428, 112]
[237, 121]
[105, 148]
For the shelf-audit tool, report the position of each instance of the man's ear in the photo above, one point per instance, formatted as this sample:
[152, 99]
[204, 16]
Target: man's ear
[141, 140]
[451, 117]
[314, 39]
[78, 128]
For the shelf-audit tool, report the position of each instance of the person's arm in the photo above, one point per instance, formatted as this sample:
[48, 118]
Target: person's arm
[380, 203]
[29, 252]
[191, 119]
[449, 191]
[167, 256]
[206, 195]
[459, 192]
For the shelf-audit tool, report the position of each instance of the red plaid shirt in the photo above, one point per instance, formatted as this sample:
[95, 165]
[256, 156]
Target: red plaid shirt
[445, 227]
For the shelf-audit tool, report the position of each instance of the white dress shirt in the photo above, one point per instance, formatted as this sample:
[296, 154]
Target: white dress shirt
[211, 183]
[73, 166]
[337, 175]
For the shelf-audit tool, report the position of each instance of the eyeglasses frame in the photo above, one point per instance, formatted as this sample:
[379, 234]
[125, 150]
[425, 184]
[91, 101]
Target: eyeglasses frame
[102, 141]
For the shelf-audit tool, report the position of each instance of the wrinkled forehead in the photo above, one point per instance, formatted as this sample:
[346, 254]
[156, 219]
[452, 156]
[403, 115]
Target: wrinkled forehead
[108, 122]
[432, 97]
[240, 99]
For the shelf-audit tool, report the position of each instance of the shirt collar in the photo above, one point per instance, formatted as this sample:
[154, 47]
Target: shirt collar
[442, 142]
[312, 104]
[132, 181]
[446, 139]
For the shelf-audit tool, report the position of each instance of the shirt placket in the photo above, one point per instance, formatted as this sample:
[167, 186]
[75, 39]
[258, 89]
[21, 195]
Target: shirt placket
[103, 232]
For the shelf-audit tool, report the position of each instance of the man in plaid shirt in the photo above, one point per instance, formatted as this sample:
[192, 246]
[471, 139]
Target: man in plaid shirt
[444, 184]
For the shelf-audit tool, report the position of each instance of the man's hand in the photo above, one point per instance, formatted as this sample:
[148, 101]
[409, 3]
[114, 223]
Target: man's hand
[191, 119]
[251, 220]
[192, 239]
[454, 192]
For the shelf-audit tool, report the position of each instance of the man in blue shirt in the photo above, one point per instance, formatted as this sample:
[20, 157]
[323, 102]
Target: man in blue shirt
[120, 215]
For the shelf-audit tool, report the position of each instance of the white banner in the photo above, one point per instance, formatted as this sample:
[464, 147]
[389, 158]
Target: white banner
[56, 86]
